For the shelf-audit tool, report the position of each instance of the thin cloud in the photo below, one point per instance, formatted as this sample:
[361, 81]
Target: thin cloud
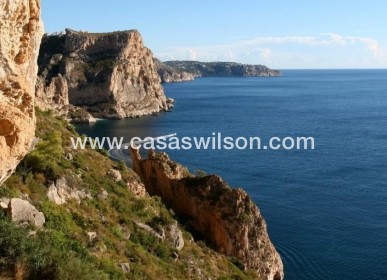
[345, 51]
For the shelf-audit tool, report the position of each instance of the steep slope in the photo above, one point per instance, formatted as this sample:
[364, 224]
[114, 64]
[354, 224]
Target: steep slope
[221, 69]
[112, 74]
[225, 217]
[21, 32]
[99, 221]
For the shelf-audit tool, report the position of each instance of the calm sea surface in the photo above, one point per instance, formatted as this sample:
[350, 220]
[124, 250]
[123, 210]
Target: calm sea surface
[326, 209]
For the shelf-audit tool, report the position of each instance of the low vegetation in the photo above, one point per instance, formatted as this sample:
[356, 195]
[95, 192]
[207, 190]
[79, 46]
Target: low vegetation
[63, 249]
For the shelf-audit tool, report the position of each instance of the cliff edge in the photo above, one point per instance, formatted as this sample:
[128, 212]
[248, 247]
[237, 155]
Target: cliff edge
[225, 217]
[111, 75]
[21, 32]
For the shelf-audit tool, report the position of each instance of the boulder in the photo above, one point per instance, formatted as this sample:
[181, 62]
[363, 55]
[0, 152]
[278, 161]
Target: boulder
[115, 174]
[22, 212]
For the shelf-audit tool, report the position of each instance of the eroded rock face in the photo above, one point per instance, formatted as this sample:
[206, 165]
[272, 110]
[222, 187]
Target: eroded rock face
[21, 32]
[111, 74]
[226, 217]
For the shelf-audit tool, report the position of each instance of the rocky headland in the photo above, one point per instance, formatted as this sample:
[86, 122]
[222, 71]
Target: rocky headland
[225, 217]
[186, 70]
[109, 75]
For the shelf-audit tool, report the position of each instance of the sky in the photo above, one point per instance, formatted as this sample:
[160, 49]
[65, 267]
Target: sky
[282, 34]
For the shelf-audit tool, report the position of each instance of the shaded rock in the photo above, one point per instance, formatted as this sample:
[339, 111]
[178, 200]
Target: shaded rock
[174, 236]
[54, 94]
[21, 32]
[125, 267]
[79, 115]
[112, 75]
[175, 256]
[115, 174]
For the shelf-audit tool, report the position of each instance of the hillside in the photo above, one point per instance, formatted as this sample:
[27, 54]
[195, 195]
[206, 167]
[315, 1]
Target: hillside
[102, 227]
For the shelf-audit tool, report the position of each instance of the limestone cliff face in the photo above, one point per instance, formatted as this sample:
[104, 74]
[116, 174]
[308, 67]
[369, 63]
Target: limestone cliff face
[226, 217]
[21, 32]
[111, 74]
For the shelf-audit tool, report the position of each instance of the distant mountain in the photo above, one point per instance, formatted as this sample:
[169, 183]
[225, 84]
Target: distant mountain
[180, 69]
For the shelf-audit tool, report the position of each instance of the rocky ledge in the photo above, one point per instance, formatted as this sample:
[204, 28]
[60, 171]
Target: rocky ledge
[225, 217]
[111, 75]
[176, 71]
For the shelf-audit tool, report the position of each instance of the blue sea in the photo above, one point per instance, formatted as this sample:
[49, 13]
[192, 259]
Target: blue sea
[326, 209]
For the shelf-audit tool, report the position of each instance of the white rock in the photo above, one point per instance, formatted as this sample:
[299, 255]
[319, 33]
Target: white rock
[61, 192]
[4, 203]
[115, 174]
[22, 212]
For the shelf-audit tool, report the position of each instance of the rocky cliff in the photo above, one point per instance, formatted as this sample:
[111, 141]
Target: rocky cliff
[219, 69]
[169, 74]
[225, 217]
[112, 75]
[21, 32]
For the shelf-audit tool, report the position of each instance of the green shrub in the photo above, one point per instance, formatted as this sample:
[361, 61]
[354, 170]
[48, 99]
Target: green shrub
[47, 155]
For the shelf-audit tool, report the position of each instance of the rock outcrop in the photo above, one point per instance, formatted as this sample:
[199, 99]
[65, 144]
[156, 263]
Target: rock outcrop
[137, 188]
[220, 69]
[61, 192]
[112, 75]
[21, 32]
[22, 212]
[171, 233]
[225, 217]
[168, 74]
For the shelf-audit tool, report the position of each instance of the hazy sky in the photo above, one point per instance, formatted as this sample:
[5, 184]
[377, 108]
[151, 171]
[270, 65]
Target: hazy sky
[280, 34]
